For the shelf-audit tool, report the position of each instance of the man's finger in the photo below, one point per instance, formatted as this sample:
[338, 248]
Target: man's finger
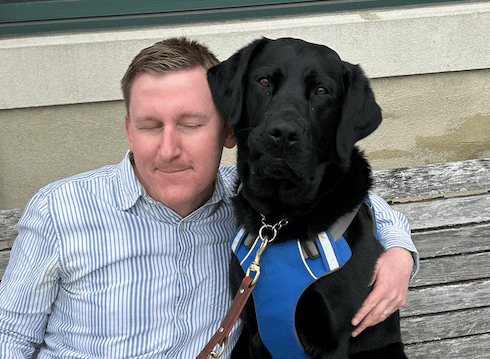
[361, 313]
[373, 317]
[370, 309]
[369, 303]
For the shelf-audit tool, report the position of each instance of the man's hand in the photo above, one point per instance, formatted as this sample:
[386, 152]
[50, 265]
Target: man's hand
[391, 276]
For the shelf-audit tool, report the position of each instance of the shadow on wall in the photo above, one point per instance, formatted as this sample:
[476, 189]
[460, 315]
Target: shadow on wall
[470, 140]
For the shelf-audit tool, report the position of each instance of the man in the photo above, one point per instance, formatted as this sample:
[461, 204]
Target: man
[131, 260]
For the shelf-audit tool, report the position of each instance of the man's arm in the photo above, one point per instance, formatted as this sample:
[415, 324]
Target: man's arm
[29, 285]
[393, 229]
[393, 270]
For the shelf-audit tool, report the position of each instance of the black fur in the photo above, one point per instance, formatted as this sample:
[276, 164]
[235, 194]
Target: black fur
[298, 110]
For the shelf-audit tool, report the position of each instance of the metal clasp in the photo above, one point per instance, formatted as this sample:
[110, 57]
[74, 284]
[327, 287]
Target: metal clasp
[264, 232]
[271, 229]
[215, 355]
[254, 266]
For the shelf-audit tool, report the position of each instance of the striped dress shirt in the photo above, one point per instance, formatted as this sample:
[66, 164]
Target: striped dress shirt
[100, 270]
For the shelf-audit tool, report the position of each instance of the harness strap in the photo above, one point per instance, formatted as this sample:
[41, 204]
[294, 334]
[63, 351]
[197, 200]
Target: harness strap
[309, 247]
[340, 226]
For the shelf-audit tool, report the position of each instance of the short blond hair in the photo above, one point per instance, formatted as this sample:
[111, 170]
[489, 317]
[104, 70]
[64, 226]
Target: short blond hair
[167, 55]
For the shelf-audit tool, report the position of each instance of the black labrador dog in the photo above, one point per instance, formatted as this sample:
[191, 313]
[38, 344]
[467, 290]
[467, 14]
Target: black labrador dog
[298, 110]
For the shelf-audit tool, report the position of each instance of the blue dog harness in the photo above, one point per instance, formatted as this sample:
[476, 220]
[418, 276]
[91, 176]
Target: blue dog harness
[286, 273]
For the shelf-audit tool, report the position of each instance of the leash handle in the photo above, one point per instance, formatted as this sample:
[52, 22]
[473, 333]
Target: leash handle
[221, 336]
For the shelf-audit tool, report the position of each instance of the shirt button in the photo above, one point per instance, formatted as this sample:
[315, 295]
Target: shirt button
[181, 316]
[183, 270]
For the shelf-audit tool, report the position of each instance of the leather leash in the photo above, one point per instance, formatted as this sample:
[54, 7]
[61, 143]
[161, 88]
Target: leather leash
[248, 283]
[221, 336]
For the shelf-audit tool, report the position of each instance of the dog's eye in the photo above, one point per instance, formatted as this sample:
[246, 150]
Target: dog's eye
[321, 91]
[264, 81]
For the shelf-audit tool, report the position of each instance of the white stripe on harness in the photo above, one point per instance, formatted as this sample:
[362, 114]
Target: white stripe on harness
[237, 239]
[328, 250]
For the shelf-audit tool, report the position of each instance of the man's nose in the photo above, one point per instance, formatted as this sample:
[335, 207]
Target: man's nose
[170, 144]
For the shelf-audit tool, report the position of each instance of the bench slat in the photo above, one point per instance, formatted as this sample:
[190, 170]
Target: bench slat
[447, 212]
[446, 325]
[8, 226]
[452, 269]
[443, 242]
[440, 299]
[4, 260]
[475, 347]
[432, 181]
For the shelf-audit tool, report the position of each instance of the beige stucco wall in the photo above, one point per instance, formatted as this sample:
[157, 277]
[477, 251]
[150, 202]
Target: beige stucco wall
[426, 119]
[44, 144]
[61, 113]
[430, 119]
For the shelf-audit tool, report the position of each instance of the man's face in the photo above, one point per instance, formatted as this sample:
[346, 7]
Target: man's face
[177, 136]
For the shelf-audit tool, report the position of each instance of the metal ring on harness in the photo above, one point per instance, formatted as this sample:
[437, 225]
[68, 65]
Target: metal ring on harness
[272, 229]
[269, 237]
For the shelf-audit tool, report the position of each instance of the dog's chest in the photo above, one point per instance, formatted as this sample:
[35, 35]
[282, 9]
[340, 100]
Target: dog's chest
[285, 273]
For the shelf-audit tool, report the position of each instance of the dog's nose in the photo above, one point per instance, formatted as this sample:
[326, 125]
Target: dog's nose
[284, 133]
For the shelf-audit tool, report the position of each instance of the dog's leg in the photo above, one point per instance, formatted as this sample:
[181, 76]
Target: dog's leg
[319, 328]
[249, 344]
[250, 347]
[258, 349]
[386, 333]
[392, 351]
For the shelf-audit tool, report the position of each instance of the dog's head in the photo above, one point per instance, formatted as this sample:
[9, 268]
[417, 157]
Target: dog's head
[297, 110]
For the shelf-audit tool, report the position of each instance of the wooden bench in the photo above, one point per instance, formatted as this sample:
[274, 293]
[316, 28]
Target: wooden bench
[447, 314]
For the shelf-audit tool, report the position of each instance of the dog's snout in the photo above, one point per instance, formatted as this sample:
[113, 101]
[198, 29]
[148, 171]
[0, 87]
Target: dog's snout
[284, 133]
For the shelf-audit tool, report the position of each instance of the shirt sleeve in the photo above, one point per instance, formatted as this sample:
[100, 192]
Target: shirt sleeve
[30, 283]
[393, 229]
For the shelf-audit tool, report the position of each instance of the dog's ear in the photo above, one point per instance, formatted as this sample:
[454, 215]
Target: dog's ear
[226, 81]
[361, 115]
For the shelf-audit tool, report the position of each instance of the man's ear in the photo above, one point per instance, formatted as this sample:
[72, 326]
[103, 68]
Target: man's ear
[226, 81]
[127, 123]
[230, 140]
[361, 115]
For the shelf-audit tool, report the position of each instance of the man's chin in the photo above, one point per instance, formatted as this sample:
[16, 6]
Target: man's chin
[182, 199]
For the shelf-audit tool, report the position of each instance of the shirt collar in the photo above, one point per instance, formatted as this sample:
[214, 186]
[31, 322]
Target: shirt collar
[130, 189]
[128, 185]
[223, 191]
